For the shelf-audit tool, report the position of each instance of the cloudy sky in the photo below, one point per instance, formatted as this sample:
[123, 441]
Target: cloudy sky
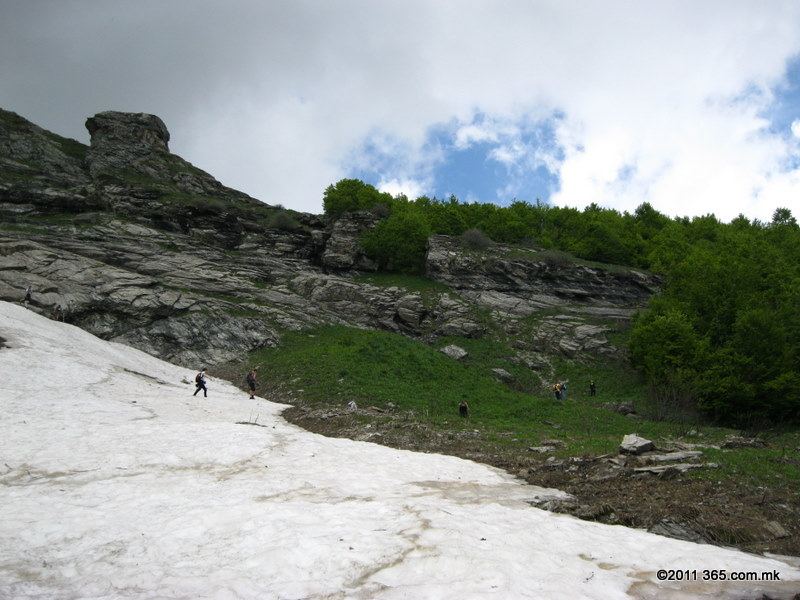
[691, 106]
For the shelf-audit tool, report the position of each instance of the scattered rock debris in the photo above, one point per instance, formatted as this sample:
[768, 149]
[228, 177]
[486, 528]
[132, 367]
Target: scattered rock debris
[650, 490]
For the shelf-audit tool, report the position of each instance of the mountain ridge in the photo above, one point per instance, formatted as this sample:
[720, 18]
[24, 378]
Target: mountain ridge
[139, 246]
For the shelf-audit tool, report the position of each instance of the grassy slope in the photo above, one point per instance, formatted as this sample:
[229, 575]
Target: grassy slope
[332, 365]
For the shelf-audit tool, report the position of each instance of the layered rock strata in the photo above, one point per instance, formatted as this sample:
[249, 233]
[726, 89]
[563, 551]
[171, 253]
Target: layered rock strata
[141, 247]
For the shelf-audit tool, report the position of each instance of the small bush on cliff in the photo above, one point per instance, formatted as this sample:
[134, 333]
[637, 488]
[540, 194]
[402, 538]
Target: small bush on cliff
[475, 239]
[283, 221]
[556, 258]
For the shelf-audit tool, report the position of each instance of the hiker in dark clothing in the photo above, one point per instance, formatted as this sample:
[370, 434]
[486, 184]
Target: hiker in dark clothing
[251, 382]
[463, 409]
[200, 382]
[592, 388]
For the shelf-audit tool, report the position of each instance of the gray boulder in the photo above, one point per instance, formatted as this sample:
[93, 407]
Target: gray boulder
[454, 352]
[633, 444]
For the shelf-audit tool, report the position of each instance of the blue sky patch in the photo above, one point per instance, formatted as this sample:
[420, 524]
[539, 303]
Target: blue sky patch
[485, 160]
[786, 107]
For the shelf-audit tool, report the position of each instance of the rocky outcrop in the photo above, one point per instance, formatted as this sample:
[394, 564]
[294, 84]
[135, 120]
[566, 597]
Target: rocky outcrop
[525, 281]
[547, 302]
[112, 131]
[342, 250]
[141, 247]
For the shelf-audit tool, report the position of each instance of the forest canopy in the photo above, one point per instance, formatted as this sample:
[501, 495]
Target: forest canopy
[723, 337]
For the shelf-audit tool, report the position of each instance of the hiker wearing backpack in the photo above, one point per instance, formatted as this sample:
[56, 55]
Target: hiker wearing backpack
[251, 382]
[200, 382]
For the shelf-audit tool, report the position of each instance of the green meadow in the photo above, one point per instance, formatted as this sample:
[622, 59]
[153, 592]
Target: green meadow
[331, 365]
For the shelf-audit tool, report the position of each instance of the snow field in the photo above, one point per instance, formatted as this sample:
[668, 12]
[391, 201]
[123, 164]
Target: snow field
[116, 483]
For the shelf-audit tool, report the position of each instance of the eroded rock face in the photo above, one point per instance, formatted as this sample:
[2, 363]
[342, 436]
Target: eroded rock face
[525, 281]
[139, 246]
[560, 307]
[342, 250]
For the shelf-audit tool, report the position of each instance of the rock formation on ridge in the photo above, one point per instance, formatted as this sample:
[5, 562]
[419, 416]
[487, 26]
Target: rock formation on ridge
[141, 247]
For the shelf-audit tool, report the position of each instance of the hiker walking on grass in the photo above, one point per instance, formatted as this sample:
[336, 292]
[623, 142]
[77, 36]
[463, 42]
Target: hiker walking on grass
[463, 409]
[251, 382]
[592, 388]
[200, 382]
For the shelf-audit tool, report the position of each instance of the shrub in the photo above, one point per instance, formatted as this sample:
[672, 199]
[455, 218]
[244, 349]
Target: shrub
[283, 221]
[555, 258]
[475, 239]
[381, 211]
[398, 243]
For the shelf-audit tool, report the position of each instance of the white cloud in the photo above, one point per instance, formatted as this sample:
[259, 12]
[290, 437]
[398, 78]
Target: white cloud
[273, 98]
[716, 158]
[796, 128]
[508, 154]
[408, 187]
[470, 134]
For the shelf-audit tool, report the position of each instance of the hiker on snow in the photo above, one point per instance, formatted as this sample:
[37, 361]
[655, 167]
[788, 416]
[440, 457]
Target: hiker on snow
[200, 382]
[251, 382]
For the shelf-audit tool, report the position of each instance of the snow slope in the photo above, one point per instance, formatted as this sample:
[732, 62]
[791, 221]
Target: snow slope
[115, 482]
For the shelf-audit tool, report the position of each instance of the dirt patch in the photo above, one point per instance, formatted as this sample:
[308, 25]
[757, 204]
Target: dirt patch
[606, 489]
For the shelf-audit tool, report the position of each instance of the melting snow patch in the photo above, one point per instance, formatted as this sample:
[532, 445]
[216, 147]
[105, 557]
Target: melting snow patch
[116, 482]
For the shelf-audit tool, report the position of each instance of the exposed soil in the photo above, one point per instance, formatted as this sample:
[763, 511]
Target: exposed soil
[605, 489]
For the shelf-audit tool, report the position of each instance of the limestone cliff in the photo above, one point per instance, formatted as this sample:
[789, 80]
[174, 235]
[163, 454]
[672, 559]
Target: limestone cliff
[141, 247]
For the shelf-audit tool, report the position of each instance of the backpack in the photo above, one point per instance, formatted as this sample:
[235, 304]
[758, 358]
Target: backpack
[198, 378]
